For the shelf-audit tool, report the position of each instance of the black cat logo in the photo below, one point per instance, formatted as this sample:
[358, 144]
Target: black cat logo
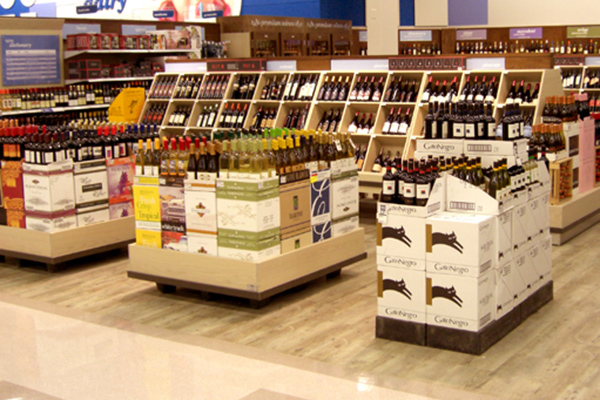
[446, 293]
[499, 308]
[397, 234]
[448, 239]
[397, 286]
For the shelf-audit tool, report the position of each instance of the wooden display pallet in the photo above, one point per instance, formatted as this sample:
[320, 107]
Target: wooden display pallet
[463, 341]
[257, 282]
[55, 249]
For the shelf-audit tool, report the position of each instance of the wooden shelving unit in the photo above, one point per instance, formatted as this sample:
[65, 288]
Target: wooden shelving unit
[54, 249]
[257, 282]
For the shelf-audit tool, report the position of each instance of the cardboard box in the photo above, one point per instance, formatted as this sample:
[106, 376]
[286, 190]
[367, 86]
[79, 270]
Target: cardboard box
[12, 185]
[344, 225]
[202, 244]
[505, 295]
[173, 240]
[15, 219]
[248, 206]
[91, 183]
[120, 179]
[460, 302]
[524, 286]
[49, 188]
[344, 196]
[541, 262]
[321, 232]
[504, 242]
[147, 200]
[320, 197]
[51, 222]
[520, 229]
[571, 132]
[148, 238]
[401, 242]
[445, 147]
[93, 216]
[463, 197]
[121, 210]
[539, 216]
[200, 210]
[248, 250]
[172, 206]
[435, 204]
[401, 294]
[129, 42]
[497, 148]
[460, 244]
[294, 205]
[170, 39]
[296, 240]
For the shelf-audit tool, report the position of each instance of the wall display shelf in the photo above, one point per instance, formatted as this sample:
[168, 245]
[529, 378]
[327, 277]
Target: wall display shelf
[106, 80]
[257, 282]
[54, 249]
[580, 79]
[54, 110]
[74, 53]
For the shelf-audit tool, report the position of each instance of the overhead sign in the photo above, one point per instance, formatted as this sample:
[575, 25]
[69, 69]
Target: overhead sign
[525, 33]
[574, 32]
[491, 63]
[73, 29]
[30, 60]
[415, 36]
[471, 34]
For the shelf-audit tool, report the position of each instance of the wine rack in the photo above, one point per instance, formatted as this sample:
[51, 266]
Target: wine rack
[549, 80]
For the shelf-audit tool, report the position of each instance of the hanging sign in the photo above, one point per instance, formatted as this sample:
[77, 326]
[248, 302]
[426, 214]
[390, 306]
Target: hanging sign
[574, 32]
[525, 33]
[415, 36]
[471, 34]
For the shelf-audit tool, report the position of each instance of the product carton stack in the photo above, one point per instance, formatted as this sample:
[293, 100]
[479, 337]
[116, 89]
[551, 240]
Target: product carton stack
[172, 213]
[320, 204]
[465, 267]
[91, 192]
[147, 211]
[201, 214]
[120, 173]
[295, 207]
[12, 193]
[248, 219]
[49, 193]
[344, 197]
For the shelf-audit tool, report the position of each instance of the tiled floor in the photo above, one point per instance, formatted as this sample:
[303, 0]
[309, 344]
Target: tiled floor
[47, 352]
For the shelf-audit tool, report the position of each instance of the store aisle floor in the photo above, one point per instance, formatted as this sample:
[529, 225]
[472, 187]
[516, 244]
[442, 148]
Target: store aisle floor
[555, 354]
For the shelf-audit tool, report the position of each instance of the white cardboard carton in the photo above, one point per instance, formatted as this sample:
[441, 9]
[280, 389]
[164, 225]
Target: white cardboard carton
[505, 296]
[401, 294]
[344, 197]
[202, 244]
[50, 222]
[504, 241]
[529, 276]
[93, 217]
[445, 147]
[401, 242]
[200, 210]
[520, 231]
[460, 244]
[435, 204]
[49, 188]
[344, 225]
[539, 215]
[540, 263]
[463, 197]
[460, 302]
[91, 182]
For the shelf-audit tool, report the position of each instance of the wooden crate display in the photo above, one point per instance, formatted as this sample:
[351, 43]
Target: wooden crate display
[561, 176]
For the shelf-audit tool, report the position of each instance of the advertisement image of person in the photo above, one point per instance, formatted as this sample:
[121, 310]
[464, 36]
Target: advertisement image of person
[186, 10]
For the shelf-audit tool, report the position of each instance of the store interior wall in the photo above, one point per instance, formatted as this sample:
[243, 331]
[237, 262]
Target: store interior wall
[383, 18]
[543, 12]
[283, 8]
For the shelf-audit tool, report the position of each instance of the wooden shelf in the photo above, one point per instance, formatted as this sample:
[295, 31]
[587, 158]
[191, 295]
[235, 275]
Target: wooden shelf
[59, 247]
[254, 281]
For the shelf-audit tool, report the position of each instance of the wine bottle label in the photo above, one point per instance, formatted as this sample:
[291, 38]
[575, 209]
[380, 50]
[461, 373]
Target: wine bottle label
[352, 128]
[425, 97]
[389, 187]
[434, 134]
[489, 99]
[154, 170]
[518, 100]
[509, 100]
[139, 169]
[409, 190]
[122, 149]
[403, 128]
[423, 191]
[480, 129]
[470, 131]
[479, 97]
[394, 127]
[27, 156]
[376, 168]
[458, 130]
[386, 127]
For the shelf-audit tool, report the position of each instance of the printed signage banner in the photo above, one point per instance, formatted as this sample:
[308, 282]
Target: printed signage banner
[162, 10]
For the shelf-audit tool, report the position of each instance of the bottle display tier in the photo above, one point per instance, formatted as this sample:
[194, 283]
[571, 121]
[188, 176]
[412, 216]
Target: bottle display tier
[383, 111]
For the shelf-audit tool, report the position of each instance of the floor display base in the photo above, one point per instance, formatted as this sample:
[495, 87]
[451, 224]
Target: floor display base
[55, 249]
[257, 282]
[463, 341]
[569, 219]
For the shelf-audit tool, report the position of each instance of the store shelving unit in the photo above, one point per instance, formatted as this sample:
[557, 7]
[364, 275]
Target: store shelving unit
[257, 282]
[108, 80]
[74, 53]
[54, 249]
[54, 110]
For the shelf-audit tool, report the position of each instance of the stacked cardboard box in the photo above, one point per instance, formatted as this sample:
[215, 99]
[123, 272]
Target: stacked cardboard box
[320, 204]
[120, 173]
[295, 207]
[49, 193]
[201, 215]
[464, 260]
[172, 214]
[12, 193]
[147, 205]
[344, 196]
[91, 192]
[249, 219]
